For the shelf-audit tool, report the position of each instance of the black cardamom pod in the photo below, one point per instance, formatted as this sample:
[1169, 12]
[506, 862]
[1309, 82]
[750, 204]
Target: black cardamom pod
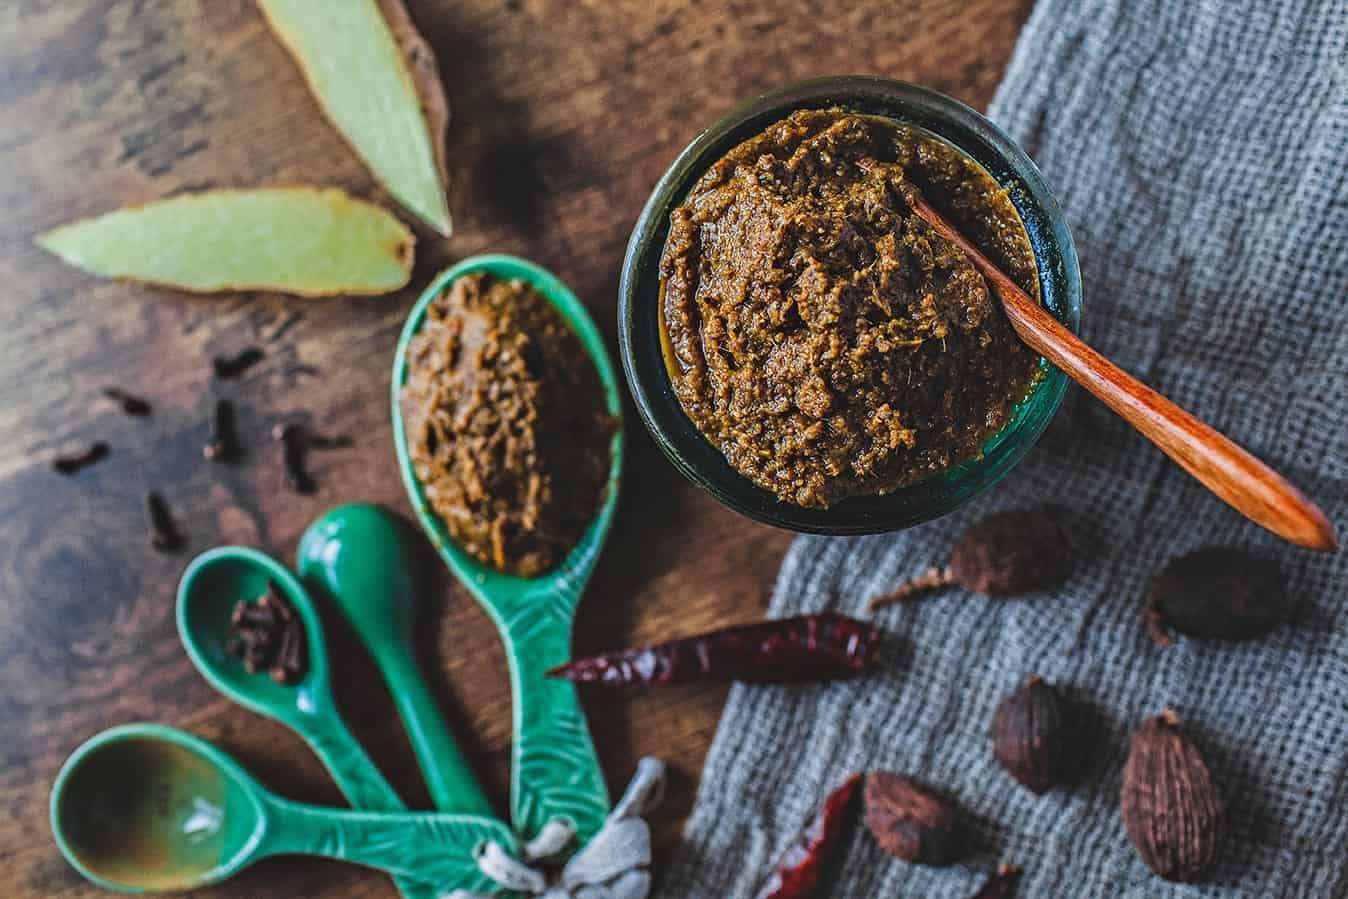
[1005, 554]
[911, 821]
[1218, 593]
[1030, 735]
[1171, 808]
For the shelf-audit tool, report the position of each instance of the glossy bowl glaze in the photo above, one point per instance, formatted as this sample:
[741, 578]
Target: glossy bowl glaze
[639, 289]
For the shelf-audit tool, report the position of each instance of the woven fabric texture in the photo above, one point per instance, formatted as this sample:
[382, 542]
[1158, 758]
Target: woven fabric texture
[1199, 151]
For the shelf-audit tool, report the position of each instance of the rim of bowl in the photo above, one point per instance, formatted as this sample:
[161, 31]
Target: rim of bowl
[638, 333]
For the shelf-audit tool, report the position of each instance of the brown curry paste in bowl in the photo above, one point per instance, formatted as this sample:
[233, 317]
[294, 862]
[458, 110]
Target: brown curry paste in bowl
[818, 333]
[801, 348]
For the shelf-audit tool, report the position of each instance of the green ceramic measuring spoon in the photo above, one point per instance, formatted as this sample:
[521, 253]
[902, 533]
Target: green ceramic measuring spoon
[209, 588]
[359, 555]
[556, 773]
[149, 808]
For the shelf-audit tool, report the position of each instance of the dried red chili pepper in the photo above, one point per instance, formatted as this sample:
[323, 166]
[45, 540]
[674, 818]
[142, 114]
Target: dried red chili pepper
[787, 650]
[800, 868]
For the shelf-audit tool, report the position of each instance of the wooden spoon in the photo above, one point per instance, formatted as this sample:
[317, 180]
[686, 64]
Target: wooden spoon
[1248, 485]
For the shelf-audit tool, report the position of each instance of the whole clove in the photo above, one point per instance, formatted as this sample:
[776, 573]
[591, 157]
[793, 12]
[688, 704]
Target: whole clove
[223, 443]
[290, 321]
[164, 533]
[256, 628]
[1030, 734]
[788, 650]
[1006, 554]
[268, 634]
[71, 464]
[300, 368]
[293, 451]
[912, 821]
[801, 868]
[323, 442]
[131, 405]
[1217, 593]
[290, 663]
[1171, 807]
[1001, 885]
[229, 367]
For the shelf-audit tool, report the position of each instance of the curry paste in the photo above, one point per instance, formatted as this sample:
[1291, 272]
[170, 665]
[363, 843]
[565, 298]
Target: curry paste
[506, 424]
[819, 333]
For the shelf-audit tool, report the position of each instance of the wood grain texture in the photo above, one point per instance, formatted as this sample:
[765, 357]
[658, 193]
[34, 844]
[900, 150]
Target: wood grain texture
[1227, 469]
[565, 112]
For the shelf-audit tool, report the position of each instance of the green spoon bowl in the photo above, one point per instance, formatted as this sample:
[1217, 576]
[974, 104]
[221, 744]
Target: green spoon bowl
[210, 587]
[147, 808]
[556, 774]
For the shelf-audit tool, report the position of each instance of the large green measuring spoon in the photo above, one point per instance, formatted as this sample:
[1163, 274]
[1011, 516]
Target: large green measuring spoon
[556, 774]
[207, 593]
[149, 808]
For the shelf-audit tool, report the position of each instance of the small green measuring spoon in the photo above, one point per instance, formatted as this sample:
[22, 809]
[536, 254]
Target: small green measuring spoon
[359, 555]
[207, 593]
[145, 807]
[556, 773]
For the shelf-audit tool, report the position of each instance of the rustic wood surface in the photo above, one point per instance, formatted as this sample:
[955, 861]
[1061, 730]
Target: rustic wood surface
[565, 112]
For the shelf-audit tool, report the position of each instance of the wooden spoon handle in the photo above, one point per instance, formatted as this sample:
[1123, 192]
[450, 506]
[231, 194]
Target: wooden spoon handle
[1248, 485]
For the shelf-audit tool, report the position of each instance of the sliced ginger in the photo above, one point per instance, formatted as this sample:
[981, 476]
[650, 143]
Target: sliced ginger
[302, 241]
[377, 80]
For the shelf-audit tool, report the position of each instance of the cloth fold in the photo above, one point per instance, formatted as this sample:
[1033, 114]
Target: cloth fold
[1198, 150]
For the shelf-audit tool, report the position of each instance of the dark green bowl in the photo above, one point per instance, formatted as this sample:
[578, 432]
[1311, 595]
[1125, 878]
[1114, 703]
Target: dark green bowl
[639, 289]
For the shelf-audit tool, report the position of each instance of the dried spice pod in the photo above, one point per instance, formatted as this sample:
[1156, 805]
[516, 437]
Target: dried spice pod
[786, 650]
[329, 441]
[801, 867]
[74, 463]
[229, 367]
[1030, 736]
[1171, 808]
[291, 662]
[164, 533]
[129, 403]
[1004, 554]
[223, 443]
[1217, 593]
[268, 634]
[294, 448]
[911, 821]
[1001, 885]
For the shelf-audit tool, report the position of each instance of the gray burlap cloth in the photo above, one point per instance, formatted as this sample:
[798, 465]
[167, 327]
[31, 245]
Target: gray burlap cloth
[1199, 151]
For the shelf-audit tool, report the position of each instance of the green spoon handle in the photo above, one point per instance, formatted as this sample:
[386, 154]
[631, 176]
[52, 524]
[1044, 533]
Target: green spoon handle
[437, 849]
[363, 785]
[448, 776]
[556, 770]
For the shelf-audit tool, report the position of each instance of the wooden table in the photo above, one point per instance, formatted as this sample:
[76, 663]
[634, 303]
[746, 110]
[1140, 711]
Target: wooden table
[565, 112]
